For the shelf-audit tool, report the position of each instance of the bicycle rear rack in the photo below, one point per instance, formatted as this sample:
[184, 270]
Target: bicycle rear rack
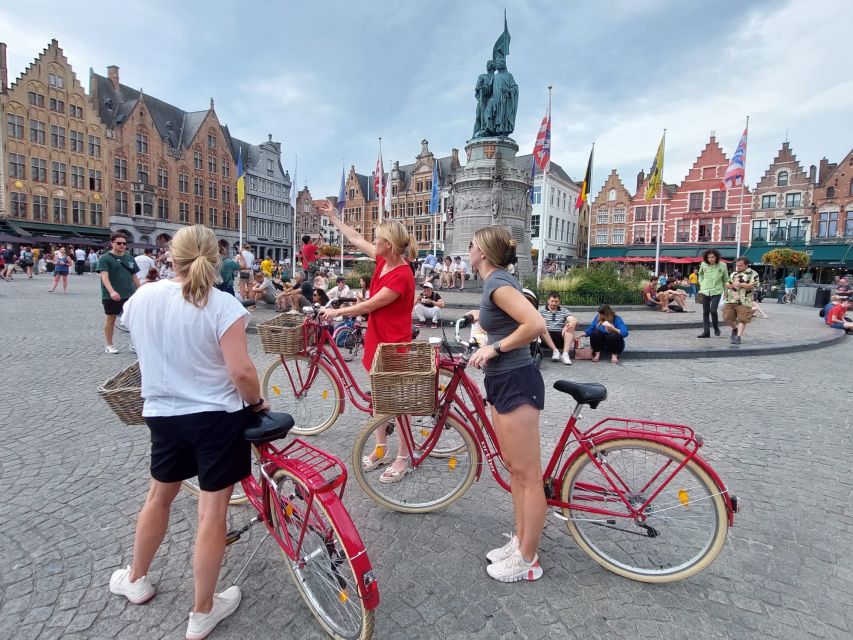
[679, 434]
[323, 471]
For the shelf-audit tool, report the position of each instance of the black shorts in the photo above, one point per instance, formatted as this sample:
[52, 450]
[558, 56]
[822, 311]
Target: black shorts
[509, 390]
[113, 307]
[209, 445]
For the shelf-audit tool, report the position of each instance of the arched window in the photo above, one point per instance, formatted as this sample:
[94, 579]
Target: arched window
[611, 195]
[782, 179]
[830, 192]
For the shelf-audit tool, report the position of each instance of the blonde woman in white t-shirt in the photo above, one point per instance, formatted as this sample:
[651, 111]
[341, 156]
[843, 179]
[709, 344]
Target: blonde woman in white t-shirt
[200, 389]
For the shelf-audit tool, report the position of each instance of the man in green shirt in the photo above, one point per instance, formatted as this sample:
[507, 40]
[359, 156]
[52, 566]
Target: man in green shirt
[227, 270]
[737, 311]
[118, 282]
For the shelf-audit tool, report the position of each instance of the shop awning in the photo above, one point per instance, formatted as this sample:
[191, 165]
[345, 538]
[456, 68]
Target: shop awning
[606, 252]
[829, 253]
[65, 231]
[640, 253]
[754, 254]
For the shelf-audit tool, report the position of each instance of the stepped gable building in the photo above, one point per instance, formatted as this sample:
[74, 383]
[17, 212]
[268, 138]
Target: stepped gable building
[307, 217]
[832, 221]
[609, 215]
[54, 154]
[645, 218]
[361, 210]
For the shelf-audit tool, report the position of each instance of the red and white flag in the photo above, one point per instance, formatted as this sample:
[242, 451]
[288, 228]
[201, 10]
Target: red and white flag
[542, 148]
[379, 178]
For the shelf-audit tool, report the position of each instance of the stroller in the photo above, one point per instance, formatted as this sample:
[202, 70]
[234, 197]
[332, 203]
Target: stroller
[536, 345]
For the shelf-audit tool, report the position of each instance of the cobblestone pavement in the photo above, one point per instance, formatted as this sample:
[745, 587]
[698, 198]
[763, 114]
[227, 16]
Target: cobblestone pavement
[776, 428]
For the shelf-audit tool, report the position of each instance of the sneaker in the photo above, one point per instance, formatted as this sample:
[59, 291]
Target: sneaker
[136, 592]
[735, 339]
[514, 568]
[717, 331]
[224, 604]
[504, 552]
[420, 325]
[566, 359]
[555, 356]
[704, 334]
[110, 349]
[734, 334]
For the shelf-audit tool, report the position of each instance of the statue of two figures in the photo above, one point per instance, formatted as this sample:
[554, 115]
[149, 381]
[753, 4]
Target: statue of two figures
[496, 93]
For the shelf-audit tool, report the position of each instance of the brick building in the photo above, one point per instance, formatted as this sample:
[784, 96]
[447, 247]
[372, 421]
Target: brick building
[307, 217]
[609, 215]
[54, 153]
[645, 217]
[832, 221]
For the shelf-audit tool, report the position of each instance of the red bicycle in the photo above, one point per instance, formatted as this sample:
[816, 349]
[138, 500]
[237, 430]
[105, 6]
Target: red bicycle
[634, 494]
[296, 491]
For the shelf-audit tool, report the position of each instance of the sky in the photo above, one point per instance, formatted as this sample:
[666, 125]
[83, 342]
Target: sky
[329, 78]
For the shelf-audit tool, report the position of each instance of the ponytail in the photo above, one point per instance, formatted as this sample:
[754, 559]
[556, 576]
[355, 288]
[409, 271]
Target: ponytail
[196, 259]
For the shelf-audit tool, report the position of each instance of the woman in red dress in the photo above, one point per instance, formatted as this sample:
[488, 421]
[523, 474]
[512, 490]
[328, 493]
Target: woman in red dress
[392, 298]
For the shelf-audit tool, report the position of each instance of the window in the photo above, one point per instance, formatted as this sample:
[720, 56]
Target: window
[78, 179]
[40, 208]
[198, 187]
[718, 200]
[226, 194]
[199, 215]
[183, 212]
[270, 168]
[211, 190]
[211, 141]
[640, 214]
[16, 166]
[38, 170]
[796, 230]
[226, 169]
[78, 212]
[728, 231]
[37, 132]
[706, 230]
[35, 99]
[120, 169]
[58, 173]
[94, 180]
[141, 143]
[827, 226]
[830, 192]
[95, 146]
[537, 195]
[619, 215]
[75, 112]
[682, 231]
[550, 226]
[639, 234]
[848, 225]
[655, 212]
[142, 173]
[121, 202]
[611, 195]
[768, 202]
[782, 179]
[57, 136]
[183, 183]
[15, 126]
[76, 141]
[226, 219]
[619, 236]
[19, 205]
[197, 160]
[163, 209]
[793, 199]
[695, 202]
[211, 219]
[211, 164]
[163, 178]
[603, 216]
[55, 81]
[96, 214]
[56, 105]
[60, 210]
[759, 230]
[534, 226]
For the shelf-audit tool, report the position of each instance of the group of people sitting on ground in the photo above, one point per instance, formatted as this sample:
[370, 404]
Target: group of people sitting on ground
[446, 273]
[664, 294]
[835, 314]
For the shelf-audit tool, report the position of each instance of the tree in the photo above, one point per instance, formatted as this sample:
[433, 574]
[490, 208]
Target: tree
[786, 258]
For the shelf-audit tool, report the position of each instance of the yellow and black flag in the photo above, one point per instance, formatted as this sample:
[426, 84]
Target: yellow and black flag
[587, 179]
[656, 172]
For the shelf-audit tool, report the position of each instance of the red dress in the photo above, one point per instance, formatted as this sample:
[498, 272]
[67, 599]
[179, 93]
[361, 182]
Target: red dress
[393, 322]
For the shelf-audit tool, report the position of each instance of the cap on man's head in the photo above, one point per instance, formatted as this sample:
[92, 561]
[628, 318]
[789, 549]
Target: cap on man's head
[427, 285]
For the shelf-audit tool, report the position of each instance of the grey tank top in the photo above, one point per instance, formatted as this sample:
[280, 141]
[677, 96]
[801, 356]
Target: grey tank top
[499, 324]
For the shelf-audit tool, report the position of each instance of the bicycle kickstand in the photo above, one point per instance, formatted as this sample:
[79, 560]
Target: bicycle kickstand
[251, 557]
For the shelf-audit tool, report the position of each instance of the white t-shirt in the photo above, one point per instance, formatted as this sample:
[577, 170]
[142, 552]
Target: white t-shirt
[79, 254]
[248, 259]
[145, 263]
[183, 369]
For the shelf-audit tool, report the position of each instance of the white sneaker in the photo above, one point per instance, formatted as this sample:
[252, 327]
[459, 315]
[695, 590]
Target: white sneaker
[514, 568]
[555, 356]
[110, 349]
[224, 604]
[566, 359]
[137, 592]
[502, 553]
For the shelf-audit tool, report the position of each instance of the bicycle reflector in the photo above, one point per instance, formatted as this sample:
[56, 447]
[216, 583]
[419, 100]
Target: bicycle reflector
[683, 498]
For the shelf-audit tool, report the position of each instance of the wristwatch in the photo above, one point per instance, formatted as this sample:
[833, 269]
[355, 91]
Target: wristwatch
[256, 405]
[496, 345]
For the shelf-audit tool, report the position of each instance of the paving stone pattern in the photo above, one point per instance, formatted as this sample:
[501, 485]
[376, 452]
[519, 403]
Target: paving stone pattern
[777, 429]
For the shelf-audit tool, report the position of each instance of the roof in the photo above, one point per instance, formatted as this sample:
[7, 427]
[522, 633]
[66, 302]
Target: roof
[445, 168]
[366, 186]
[525, 161]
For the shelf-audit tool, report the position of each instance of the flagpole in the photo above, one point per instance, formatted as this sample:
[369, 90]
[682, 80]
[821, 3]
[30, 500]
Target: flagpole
[539, 271]
[589, 207]
[294, 189]
[381, 177]
[660, 208]
[435, 214]
[742, 186]
[341, 213]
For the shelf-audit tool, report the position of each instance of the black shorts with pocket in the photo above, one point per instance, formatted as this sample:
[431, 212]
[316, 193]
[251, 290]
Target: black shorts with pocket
[509, 390]
[113, 307]
[209, 445]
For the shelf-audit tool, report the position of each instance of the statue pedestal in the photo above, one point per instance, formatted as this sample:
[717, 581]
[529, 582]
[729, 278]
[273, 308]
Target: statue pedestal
[491, 190]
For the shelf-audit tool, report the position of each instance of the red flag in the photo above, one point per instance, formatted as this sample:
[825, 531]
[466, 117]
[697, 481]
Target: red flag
[542, 148]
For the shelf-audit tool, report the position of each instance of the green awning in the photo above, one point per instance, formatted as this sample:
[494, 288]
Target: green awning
[642, 253]
[606, 252]
[691, 252]
[65, 230]
[829, 253]
[754, 254]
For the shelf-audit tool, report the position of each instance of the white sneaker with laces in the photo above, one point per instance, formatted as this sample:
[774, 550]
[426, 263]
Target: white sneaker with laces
[515, 568]
[566, 359]
[110, 349]
[502, 553]
[224, 604]
[555, 356]
[136, 592]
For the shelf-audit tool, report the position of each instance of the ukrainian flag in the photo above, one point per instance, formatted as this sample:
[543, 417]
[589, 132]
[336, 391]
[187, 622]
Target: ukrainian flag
[241, 180]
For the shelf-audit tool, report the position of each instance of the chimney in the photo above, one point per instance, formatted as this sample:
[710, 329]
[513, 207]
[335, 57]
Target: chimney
[826, 167]
[812, 174]
[640, 179]
[454, 154]
[4, 69]
[112, 74]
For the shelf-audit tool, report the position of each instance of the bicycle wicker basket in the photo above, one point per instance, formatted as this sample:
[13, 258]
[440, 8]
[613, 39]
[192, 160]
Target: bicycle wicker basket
[403, 378]
[282, 334]
[123, 394]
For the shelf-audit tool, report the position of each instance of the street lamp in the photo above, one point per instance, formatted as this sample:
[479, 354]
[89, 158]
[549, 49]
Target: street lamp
[787, 226]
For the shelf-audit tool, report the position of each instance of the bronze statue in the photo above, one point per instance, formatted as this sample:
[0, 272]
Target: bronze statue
[497, 95]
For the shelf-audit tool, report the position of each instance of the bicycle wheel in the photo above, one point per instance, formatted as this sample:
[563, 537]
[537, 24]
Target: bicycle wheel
[322, 568]
[238, 496]
[436, 482]
[313, 403]
[789, 298]
[685, 525]
[349, 342]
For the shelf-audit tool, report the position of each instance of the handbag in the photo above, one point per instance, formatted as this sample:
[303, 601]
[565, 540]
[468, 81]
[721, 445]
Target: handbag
[580, 353]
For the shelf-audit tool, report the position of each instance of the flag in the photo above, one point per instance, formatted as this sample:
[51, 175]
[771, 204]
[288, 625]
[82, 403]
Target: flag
[655, 173]
[387, 188]
[501, 49]
[542, 148]
[241, 180]
[584, 194]
[379, 178]
[532, 177]
[737, 167]
[433, 200]
[342, 194]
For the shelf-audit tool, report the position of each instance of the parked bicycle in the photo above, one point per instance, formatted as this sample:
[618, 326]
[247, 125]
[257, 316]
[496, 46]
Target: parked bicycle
[789, 298]
[634, 494]
[349, 338]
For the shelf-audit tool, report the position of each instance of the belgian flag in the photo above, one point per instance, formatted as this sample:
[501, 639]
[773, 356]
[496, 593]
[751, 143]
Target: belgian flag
[584, 194]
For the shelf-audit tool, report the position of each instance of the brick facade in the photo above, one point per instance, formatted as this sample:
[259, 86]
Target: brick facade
[644, 216]
[833, 202]
[307, 217]
[609, 213]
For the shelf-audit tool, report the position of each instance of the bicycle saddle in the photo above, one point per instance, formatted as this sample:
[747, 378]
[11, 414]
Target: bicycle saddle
[268, 427]
[583, 393]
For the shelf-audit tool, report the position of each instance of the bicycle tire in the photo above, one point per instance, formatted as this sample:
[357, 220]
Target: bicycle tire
[462, 467]
[349, 342]
[322, 545]
[678, 496]
[319, 406]
[789, 298]
[238, 496]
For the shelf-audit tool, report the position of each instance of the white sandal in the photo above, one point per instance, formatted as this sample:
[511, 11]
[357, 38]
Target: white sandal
[369, 465]
[392, 475]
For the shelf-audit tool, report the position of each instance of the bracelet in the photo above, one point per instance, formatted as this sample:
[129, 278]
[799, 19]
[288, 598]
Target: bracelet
[256, 405]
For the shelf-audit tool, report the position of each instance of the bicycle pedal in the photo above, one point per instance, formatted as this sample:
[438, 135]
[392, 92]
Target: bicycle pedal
[232, 536]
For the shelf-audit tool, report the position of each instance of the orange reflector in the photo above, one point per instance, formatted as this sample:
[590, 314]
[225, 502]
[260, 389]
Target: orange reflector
[325, 394]
[683, 498]
[379, 451]
[451, 463]
[288, 510]
[424, 432]
[343, 596]
[276, 390]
